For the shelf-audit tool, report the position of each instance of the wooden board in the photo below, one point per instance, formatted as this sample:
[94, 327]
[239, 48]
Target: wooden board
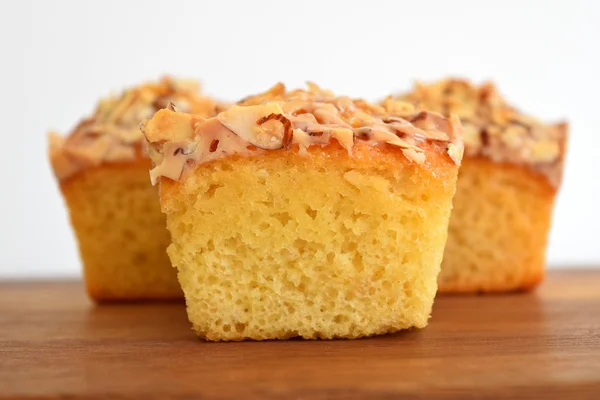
[55, 344]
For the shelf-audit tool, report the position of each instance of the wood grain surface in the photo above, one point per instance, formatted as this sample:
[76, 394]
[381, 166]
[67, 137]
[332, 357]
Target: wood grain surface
[55, 344]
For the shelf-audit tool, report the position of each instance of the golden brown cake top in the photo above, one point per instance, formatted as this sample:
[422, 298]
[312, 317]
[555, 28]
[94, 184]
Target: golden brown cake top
[493, 128]
[111, 134]
[296, 120]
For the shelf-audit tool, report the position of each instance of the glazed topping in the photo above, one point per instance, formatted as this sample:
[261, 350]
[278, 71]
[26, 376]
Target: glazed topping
[494, 129]
[296, 120]
[112, 133]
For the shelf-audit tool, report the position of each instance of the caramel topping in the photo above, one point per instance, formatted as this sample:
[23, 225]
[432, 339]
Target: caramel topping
[295, 120]
[493, 128]
[112, 133]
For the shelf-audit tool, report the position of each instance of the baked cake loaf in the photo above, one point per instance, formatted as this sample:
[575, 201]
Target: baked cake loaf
[304, 214]
[102, 168]
[508, 181]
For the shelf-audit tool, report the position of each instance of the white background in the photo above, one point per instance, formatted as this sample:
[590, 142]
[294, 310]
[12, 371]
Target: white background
[59, 57]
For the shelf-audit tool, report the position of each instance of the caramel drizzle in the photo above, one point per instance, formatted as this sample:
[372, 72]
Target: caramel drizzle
[288, 133]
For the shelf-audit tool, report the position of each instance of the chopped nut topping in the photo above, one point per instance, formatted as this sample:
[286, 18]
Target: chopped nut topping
[172, 107]
[493, 128]
[286, 141]
[115, 132]
[297, 120]
[415, 156]
[243, 121]
[455, 152]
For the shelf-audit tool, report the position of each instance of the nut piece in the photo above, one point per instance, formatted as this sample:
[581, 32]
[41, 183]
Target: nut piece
[172, 107]
[382, 134]
[412, 155]
[242, 120]
[274, 93]
[288, 134]
[545, 151]
[167, 125]
[92, 153]
[471, 136]
[456, 153]
[55, 142]
[345, 137]
[397, 107]
[120, 153]
[172, 166]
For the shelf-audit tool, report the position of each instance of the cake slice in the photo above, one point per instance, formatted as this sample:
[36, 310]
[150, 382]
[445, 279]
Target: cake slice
[506, 189]
[102, 169]
[298, 213]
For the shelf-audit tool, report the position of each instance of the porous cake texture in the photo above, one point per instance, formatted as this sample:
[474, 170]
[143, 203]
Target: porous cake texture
[298, 213]
[102, 169]
[506, 189]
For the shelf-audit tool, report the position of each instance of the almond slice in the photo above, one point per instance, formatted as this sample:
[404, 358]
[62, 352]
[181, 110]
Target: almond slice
[456, 153]
[242, 120]
[91, 153]
[345, 137]
[412, 155]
